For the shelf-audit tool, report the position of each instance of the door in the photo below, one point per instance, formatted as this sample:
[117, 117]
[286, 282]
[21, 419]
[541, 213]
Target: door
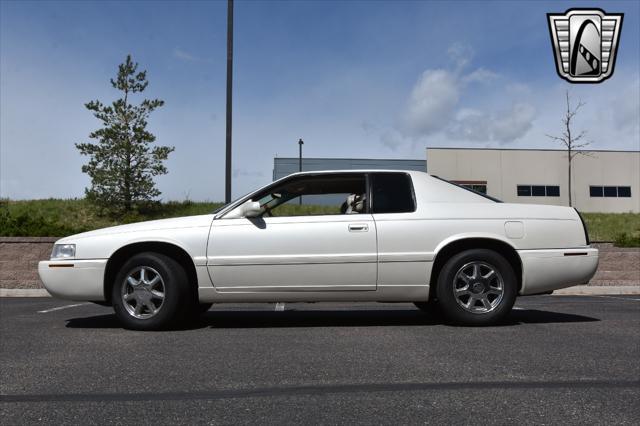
[315, 234]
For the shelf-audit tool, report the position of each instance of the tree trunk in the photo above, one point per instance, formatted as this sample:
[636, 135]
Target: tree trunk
[570, 203]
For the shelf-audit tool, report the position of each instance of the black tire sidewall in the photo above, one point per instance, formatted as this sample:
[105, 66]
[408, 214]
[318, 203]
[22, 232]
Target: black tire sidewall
[446, 298]
[175, 286]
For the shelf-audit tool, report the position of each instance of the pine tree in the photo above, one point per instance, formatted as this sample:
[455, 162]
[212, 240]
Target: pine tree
[122, 163]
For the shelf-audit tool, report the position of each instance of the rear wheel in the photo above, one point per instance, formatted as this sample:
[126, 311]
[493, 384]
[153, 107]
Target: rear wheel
[150, 292]
[476, 287]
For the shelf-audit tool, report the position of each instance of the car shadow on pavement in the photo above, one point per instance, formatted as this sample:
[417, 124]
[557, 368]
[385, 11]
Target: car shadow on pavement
[333, 318]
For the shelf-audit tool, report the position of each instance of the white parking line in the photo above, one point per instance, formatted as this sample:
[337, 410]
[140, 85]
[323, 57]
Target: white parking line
[62, 307]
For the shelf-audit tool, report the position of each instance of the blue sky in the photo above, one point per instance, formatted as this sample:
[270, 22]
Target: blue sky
[368, 79]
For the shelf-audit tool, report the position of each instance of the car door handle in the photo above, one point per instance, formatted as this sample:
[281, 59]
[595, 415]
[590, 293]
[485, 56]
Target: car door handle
[358, 227]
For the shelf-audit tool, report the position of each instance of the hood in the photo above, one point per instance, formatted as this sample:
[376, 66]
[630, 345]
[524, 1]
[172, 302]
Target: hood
[152, 225]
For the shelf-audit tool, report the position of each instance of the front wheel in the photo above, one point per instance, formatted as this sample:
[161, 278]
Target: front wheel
[150, 292]
[476, 287]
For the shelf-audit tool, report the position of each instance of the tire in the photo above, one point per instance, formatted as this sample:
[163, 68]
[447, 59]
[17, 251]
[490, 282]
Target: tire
[204, 307]
[430, 306]
[154, 299]
[476, 287]
[430, 309]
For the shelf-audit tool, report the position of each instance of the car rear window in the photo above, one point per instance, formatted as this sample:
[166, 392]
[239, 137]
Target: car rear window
[392, 193]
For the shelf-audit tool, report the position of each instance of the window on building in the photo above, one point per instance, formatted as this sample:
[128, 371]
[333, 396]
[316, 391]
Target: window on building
[610, 191]
[538, 190]
[553, 191]
[524, 190]
[595, 191]
[392, 193]
[624, 191]
[475, 185]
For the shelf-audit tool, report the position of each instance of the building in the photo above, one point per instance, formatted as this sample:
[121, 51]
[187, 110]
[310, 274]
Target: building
[602, 181]
[285, 166]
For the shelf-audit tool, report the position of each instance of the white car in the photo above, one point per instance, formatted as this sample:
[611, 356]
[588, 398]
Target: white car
[365, 235]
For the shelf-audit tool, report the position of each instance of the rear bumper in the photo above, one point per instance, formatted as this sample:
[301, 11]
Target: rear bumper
[74, 279]
[546, 270]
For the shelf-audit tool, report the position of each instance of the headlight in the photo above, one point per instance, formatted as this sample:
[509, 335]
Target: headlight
[63, 251]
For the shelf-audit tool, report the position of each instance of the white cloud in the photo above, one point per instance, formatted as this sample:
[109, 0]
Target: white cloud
[469, 124]
[481, 75]
[439, 104]
[512, 124]
[503, 126]
[432, 103]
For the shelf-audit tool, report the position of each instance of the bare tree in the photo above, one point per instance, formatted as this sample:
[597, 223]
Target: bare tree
[572, 142]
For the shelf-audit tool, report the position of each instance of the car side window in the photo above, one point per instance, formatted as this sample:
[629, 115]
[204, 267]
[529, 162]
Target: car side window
[392, 193]
[317, 195]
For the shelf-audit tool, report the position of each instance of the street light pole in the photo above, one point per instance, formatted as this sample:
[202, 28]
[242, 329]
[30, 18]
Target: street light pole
[227, 191]
[300, 143]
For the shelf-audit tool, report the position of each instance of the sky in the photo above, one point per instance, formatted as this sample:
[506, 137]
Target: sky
[361, 79]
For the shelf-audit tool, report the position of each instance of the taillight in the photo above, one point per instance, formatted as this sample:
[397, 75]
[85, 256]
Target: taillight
[584, 226]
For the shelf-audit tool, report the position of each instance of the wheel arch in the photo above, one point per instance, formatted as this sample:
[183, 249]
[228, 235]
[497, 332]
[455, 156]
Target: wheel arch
[456, 246]
[120, 256]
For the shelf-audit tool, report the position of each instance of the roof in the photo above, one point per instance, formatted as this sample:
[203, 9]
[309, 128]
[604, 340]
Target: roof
[347, 159]
[527, 149]
[344, 171]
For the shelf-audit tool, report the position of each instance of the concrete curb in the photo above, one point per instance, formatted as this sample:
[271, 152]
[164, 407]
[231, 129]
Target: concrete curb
[24, 292]
[587, 290]
[579, 290]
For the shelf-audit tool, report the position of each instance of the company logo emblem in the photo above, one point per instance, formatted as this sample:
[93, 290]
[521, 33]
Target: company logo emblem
[585, 43]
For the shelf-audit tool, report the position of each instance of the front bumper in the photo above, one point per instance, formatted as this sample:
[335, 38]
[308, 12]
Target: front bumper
[74, 279]
[547, 270]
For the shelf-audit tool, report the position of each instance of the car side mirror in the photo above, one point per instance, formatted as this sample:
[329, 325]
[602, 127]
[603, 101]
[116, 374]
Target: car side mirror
[247, 209]
[251, 209]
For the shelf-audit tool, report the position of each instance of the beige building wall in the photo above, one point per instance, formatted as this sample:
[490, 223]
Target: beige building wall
[505, 169]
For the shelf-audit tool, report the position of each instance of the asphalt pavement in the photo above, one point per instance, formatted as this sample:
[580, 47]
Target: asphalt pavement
[557, 359]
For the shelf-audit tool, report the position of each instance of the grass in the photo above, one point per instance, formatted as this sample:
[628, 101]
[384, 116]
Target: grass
[621, 228]
[55, 217]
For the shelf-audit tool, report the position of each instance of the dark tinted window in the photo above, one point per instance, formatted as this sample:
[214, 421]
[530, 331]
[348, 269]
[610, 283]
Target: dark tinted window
[553, 191]
[392, 193]
[624, 191]
[524, 190]
[610, 191]
[537, 191]
[479, 188]
[595, 191]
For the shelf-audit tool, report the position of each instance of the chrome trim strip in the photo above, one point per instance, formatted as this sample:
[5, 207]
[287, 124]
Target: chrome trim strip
[291, 259]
